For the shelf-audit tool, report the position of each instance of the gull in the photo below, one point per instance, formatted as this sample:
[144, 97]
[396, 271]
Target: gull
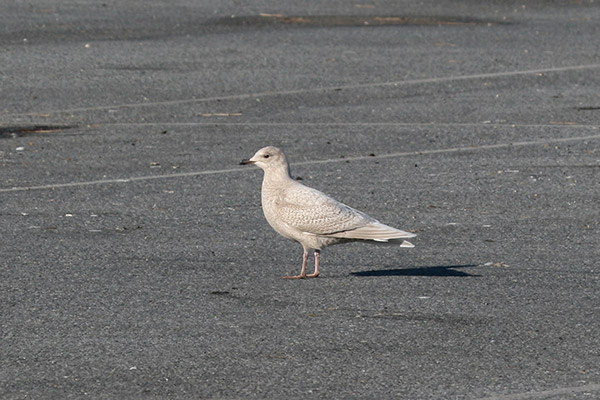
[310, 217]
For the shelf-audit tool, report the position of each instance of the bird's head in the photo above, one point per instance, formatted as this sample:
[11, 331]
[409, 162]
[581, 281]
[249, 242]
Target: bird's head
[268, 158]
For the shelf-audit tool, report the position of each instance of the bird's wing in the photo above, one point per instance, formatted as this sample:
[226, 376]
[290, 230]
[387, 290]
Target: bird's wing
[374, 231]
[315, 213]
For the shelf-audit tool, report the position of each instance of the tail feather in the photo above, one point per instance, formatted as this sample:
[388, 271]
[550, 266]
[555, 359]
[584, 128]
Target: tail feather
[375, 231]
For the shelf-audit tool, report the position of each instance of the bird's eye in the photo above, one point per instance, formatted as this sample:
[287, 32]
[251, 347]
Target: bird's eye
[267, 155]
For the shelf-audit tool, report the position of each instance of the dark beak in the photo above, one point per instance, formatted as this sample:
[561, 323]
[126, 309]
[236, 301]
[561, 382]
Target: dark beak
[244, 162]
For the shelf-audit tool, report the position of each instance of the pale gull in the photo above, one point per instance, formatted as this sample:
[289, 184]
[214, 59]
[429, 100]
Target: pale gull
[310, 217]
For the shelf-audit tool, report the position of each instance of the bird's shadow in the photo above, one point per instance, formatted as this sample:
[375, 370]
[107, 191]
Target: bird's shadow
[440, 270]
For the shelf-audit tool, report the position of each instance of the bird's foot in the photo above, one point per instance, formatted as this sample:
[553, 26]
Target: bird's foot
[302, 276]
[295, 277]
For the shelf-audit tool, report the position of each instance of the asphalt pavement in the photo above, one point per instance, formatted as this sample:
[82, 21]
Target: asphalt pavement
[135, 261]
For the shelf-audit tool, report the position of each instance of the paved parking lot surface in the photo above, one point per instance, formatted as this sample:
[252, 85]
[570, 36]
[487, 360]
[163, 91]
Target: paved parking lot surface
[135, 259]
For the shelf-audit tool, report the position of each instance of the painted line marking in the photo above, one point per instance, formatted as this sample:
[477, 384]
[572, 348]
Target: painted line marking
[243, 96]
[546, 393]
[311, 162]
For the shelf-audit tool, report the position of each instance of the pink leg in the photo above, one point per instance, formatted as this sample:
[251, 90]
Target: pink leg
[316, 273]
[303, 271]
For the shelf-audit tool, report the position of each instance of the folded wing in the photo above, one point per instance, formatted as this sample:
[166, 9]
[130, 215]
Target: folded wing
[373, 231]
[315, 213]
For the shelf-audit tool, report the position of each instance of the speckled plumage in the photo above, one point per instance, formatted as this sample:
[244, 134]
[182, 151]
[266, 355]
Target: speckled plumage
[309, 216]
